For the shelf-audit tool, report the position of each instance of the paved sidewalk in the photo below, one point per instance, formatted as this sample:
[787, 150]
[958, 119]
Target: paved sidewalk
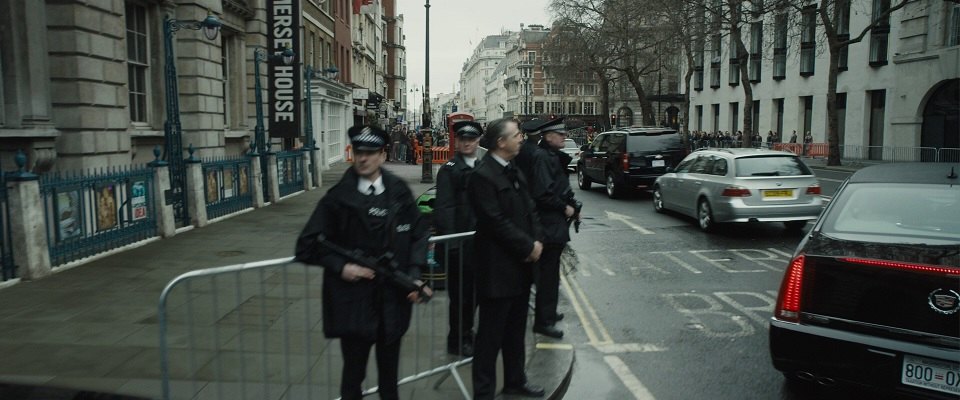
[94, 327]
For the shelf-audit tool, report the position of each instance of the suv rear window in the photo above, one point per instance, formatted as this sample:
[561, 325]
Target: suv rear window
[896, 213]
[653, 141]
[771, 166]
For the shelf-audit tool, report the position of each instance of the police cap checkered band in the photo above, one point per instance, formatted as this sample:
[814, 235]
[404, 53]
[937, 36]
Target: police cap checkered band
[559, 128]
[468, 129]
[367, 138]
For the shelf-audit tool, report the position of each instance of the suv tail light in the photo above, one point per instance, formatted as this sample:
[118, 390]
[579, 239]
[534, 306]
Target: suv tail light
[735, 191]
[625, 159]
[791, 290]
[813, 189]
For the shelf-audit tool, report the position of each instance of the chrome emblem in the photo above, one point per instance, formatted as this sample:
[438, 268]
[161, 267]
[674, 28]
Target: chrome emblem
[944, 301]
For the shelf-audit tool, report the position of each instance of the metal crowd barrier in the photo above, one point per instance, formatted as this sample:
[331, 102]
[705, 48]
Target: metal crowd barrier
[254, 330]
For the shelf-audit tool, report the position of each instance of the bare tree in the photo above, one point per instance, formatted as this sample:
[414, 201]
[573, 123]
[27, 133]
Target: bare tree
[576, 56]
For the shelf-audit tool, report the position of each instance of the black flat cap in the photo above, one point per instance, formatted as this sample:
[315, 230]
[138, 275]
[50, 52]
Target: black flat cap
[367, 138]
[468, 129]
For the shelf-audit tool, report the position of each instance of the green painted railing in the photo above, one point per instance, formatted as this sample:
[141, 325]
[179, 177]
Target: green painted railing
[91, 212]
[7, 269]
[228, 185]
[290, 171]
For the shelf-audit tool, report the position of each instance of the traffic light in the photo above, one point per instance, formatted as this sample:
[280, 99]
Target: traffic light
[613, 119]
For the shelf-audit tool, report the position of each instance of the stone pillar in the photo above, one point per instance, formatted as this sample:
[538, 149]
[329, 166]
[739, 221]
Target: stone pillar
[306, 167]
[166, 224]
[31, 252]
[257, 176]
[273, 177]
[317, 166]
[196, 196]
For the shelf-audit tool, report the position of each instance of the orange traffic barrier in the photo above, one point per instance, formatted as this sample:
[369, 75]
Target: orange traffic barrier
[795, 148]
[817, 150]
[440, 155]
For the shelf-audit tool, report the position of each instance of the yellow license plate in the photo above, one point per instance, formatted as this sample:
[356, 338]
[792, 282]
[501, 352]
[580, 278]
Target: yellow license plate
[777, 193]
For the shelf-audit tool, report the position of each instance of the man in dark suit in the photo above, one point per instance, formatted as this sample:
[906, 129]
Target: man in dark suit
[372, 210]
[454, 214]
[508, 244]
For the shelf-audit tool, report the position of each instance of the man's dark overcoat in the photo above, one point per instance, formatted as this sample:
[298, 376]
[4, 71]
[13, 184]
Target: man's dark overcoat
[551, 191]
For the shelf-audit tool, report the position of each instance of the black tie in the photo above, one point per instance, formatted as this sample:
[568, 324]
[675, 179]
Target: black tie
[372, 190]
[511, 172]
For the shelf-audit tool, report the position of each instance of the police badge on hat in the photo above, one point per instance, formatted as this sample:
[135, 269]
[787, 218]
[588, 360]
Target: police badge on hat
[367, 138]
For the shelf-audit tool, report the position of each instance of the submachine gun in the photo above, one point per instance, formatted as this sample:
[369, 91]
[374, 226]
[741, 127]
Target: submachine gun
[385, 266]
[577, 207]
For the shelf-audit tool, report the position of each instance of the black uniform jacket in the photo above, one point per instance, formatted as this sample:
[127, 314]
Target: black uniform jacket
[345, 216]
[525, 159]
[551, 191]
[452, 210]
[507, 226]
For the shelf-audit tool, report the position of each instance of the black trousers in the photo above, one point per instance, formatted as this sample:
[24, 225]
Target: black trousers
[355, 355]
[547, 279]
[460, 286]
[503, 324]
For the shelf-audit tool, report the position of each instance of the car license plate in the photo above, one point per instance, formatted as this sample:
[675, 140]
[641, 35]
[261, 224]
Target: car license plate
[777, 193]
[658, 163]
[930, 374]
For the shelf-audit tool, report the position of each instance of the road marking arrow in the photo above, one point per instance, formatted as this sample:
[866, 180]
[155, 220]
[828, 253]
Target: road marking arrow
[626, 220]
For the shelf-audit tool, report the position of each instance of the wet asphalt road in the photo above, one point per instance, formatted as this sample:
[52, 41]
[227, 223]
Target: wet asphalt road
[661, 310]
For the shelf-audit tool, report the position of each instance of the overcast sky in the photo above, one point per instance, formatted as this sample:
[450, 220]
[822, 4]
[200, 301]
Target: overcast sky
[456, 26]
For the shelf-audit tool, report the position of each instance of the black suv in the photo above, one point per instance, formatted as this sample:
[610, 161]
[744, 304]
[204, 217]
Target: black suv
[629, 158]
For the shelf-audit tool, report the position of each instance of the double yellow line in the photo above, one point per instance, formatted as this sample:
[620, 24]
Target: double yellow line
[588, 315]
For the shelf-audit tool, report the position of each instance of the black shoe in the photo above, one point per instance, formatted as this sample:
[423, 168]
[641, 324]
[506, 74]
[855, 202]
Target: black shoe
[465, 350]
[551, 331]
[527, 390]
[559, 317]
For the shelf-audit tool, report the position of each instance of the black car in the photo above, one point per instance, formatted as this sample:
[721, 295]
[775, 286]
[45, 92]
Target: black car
[629, 158]
[872, 295]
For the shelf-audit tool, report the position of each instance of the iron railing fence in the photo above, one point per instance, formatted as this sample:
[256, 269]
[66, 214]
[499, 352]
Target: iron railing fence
[7, 269]
[856, 152]
[90, 212]
[290, 171]
[228, 185]
[945, 154]
[255, 330]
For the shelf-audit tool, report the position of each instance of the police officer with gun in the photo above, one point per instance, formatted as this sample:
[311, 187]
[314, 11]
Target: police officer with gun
[373, 213]
[550, 189]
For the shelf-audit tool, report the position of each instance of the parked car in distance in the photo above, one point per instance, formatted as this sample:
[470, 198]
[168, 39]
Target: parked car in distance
[629, 158]
[872, 293]
[570, 147]
[740, 185]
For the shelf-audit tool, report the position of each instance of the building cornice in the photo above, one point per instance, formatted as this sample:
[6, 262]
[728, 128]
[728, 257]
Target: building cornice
[238, 6]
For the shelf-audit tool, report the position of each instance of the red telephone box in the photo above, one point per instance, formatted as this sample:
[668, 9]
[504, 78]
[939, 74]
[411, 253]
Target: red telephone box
[453, 118]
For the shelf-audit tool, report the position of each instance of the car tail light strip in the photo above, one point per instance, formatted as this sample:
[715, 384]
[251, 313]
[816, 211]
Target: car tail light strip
[625, 159]
[791, 290]
[735, 191]
[916, 267]
[814, 189]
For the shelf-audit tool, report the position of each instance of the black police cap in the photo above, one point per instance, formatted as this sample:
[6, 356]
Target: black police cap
[367, 138]
[553, 125]
[468, 129]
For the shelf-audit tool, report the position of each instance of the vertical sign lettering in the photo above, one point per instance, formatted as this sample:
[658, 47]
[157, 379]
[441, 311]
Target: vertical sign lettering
[285, 86]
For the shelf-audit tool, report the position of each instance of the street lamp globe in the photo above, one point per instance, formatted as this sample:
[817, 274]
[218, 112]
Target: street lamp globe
[211, 27]
[332, 72]
[288, 55]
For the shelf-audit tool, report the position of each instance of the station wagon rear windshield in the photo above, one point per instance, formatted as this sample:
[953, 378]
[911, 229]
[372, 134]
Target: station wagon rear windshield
[896, 213]
[654, 141]
[771, 166]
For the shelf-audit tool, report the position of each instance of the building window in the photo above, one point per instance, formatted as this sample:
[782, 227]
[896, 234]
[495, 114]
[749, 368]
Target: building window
[715, 62]
[137, 61]
[538, 107]
[589, 90]
[716, 118]
[841, 116]
[698, 66]
[756, 50]
[572, 108]
[843, 30]
[808, 44]
[531, 57]
[699, 118]
[880, 33]
[780, 48]
[953, 27]
[734, 117]
[589, 108]
[556, 107]
[807, 103]
[778, 105]
[733, 76]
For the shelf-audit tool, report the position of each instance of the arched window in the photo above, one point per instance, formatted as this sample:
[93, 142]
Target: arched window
[941, 120]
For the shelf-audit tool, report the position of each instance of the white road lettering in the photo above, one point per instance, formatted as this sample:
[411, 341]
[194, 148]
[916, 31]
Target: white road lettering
[629, 380]
[759, 314]
[763, 256]
[626, 220]
[716, 261]
[709, 315]
[671, 256]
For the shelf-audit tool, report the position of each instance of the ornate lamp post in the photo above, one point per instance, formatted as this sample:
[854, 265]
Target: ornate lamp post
[427, 176]
[526, 95]
[172, 130]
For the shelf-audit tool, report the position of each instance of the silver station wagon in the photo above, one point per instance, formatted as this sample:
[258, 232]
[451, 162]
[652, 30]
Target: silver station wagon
[740, 185]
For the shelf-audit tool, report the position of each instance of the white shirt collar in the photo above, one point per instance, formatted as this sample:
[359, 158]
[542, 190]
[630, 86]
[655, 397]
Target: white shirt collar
[500, 161]
[363, 185]
[471, 161]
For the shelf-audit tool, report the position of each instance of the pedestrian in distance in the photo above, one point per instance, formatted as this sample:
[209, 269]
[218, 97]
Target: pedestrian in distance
[793, 137]
[508, 243]
[557, 207]
[453, 213]
[371, 210]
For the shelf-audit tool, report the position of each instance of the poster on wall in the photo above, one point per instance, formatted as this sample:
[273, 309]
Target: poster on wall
[69, 223]
[285, 81]
[106, 207]
[213, 187]
[244, 181]
[138, 200]
[227, 183]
